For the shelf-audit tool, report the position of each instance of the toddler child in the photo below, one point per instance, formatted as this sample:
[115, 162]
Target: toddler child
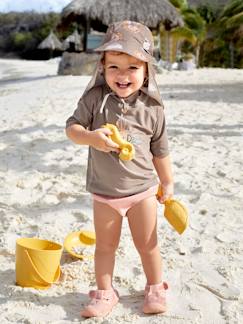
[123, 92]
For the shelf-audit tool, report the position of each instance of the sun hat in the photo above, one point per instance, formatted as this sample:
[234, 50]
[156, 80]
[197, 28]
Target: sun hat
[129, 37]
[132, 38]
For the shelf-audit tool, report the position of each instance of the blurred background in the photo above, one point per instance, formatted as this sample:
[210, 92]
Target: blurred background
[187, 33]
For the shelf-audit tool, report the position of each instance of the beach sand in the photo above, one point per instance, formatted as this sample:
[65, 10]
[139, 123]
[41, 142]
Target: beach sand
[42, 194]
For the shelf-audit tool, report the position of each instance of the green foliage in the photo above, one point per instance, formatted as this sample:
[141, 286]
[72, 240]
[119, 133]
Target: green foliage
[195, 22]
[224, 47]
[218, 33]
[207, 13]
[20, 40]
[70, 29]
[190, 37]
[235, 22]
[232, 8]
[179, 4]
[181, 33]
[21, 33]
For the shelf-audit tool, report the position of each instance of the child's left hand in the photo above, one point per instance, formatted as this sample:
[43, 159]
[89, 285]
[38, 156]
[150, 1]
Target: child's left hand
[167, 192]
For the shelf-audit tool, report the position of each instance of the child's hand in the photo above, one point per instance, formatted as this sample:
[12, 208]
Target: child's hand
[101, 141]
[166, 192]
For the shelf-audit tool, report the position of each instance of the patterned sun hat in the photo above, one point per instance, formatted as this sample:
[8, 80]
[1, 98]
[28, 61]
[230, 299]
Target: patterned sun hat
[131, 38]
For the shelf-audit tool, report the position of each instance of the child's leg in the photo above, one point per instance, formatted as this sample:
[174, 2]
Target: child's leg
[142, 220]
[107, 223]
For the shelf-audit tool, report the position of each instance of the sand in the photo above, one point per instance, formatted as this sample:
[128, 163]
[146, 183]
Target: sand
[42, 194]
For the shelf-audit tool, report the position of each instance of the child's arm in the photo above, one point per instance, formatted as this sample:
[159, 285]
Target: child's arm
[164, 171]
[98, 138]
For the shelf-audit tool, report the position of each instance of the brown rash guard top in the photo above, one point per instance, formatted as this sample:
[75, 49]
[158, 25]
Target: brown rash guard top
[140, 120]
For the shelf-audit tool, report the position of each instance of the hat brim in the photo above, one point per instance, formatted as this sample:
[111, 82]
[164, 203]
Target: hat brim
[146, 57]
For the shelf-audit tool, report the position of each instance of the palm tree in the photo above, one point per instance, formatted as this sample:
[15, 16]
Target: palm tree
[231, 28]
[193, 32]
[224, 44]
[197, 25]
[172, 39]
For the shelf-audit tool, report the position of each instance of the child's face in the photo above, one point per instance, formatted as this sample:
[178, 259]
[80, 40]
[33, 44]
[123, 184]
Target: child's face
[124, 73]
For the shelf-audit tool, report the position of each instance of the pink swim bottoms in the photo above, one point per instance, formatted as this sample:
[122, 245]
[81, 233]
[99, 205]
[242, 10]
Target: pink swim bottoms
[122, 205]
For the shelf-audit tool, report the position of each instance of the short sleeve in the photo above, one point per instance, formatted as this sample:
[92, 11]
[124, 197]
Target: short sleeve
[159, 141]
[83, 114]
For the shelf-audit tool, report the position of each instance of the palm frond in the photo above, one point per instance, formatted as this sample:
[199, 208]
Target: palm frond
[233, 8]
[235, 21]
[184, 33]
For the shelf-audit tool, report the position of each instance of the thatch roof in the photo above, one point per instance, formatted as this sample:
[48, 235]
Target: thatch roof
[74, 38]
[51, 42]
[149, 12]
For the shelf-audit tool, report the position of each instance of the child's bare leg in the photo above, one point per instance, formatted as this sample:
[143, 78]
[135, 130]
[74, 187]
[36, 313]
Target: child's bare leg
[107, 222]
[142, 220]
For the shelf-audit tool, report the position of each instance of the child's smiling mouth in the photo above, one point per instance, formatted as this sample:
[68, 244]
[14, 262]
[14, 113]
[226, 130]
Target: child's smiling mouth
[123, 85]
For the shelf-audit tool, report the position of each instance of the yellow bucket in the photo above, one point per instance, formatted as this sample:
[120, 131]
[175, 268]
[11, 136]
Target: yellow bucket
[37, 262]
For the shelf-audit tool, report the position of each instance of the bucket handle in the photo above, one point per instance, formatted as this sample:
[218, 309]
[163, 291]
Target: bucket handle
[58, 272]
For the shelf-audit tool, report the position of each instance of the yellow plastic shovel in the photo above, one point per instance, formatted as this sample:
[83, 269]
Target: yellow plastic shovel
[175, 212]
[78, 240]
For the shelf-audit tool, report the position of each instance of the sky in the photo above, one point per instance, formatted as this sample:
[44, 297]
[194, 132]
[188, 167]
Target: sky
[36, 5]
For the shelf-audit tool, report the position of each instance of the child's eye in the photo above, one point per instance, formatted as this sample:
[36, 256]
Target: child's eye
[133, 67]
[112, 67]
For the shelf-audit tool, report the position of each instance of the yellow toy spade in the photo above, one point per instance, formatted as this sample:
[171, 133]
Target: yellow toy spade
[127, 149]
[79, 239]
[175, 212]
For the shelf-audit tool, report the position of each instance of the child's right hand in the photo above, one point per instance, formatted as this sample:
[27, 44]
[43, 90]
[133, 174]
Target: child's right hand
[101, 142]
[165, 192]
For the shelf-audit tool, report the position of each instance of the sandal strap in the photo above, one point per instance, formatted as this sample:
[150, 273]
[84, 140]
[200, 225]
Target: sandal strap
[102, 294]
[161, 287]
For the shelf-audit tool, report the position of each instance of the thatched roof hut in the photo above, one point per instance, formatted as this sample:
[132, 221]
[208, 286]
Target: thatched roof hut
[73, 40]
[99, 14]
[51, 42]
[149, 12]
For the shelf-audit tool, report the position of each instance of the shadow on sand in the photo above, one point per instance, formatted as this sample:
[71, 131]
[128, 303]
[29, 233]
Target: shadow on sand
[227, 92]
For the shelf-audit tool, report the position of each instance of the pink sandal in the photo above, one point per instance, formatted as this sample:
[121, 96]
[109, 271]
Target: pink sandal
[155, 300]
[101, 303]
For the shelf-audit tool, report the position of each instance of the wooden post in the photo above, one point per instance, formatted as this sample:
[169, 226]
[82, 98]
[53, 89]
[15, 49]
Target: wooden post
[168, 45]
[86, 32]
[231, 48]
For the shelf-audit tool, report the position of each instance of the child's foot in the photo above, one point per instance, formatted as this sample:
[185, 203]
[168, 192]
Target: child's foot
[155, 300]
[101, 303]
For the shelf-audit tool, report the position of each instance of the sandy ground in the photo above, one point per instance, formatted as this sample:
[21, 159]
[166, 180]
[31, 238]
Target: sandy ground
[42, 194]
